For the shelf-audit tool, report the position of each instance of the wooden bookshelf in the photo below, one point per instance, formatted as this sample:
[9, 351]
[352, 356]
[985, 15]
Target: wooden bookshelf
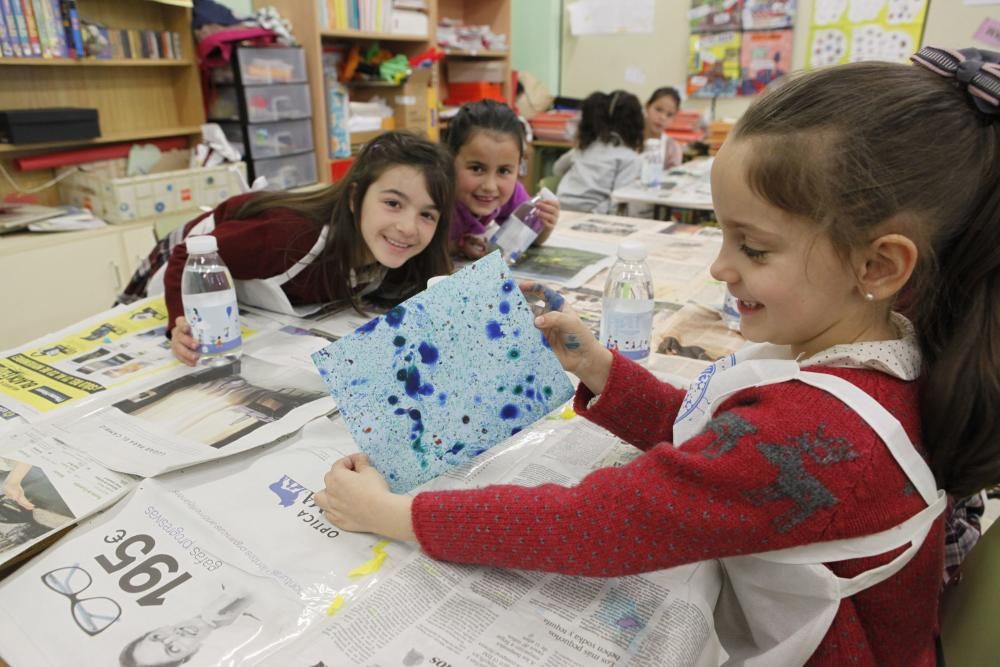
[135, 99]
[306, 20]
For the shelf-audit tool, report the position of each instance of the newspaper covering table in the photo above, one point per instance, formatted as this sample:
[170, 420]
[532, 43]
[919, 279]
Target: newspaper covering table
[235, 546]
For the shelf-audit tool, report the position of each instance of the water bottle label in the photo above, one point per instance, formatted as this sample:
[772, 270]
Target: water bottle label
[514, 237]
[730, 312]
[215, 321]
[628, 331]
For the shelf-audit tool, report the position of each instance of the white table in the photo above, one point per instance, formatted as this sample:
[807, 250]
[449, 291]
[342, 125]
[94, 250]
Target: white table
[685, 187]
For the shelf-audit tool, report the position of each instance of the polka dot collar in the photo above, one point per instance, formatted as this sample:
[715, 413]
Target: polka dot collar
[899, 358]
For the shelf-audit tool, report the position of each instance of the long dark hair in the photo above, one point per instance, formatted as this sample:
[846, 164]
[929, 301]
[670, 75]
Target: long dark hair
[607, 118]
[855, 145]
[345, 247]
[484, 116]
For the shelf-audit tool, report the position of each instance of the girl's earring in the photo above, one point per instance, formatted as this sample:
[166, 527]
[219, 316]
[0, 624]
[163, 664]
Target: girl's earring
[869, 296]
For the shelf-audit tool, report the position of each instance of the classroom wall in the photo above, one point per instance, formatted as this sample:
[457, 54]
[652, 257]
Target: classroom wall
[599, 62]
[536, 31]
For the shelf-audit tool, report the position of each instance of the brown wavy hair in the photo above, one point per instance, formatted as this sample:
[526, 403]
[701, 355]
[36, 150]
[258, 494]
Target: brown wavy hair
[853, 146]
[345, 247]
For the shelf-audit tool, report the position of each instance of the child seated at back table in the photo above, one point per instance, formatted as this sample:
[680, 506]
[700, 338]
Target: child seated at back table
[607, 154]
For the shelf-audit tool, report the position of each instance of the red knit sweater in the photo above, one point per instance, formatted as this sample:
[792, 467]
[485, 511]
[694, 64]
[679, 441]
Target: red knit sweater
[724, 492]
[263, 246]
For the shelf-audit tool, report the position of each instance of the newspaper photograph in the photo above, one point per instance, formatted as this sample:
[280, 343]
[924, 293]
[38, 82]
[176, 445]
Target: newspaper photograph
[145, 583]
[81, 364]
[199, 416]
[46, 486]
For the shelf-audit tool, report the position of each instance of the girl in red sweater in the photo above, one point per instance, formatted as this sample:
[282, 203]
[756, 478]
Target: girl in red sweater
[814, 463]
[379, 232]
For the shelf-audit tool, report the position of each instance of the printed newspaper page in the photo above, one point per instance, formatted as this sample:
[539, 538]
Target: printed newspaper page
[431, 612]
[202, 415]
[46, 486]
[82, 363]
[160, 569]
[146, 583]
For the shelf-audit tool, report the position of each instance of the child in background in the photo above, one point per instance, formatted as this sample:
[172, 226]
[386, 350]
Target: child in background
[799, 461]
[487, 142]
[661, 108]
[609, 140]
[380, 232]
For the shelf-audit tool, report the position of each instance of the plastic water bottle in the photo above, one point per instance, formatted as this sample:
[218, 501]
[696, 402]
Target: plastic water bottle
[209, 299]
[627, 310]
[520, 230]
[730, 311]
[652, 163]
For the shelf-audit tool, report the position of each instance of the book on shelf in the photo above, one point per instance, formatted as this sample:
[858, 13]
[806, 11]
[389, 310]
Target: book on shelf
[54, 29]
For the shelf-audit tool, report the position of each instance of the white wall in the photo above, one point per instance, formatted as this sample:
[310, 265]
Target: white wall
[598, 62]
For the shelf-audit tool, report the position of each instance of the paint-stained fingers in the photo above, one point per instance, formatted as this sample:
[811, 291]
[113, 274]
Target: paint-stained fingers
[537, 291]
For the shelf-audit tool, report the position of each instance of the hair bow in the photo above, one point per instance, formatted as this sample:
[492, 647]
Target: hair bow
[978, 69]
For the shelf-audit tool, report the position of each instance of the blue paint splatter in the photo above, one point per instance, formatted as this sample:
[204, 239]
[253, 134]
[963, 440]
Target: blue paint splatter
[426, 389]
[399, 341]
[393, 400]
[428, 353]
[493, 331]
[412, 381]
[530, 378]
[508, 286]
[400, 411]
[545, 342]
[509, 411]
[530, 393]
[369, 326]
[456, 448]
[515, 430]
[356, 381]
[442, 397]
[504, 307]
[401, 374]
[415, 415]
[395, 317]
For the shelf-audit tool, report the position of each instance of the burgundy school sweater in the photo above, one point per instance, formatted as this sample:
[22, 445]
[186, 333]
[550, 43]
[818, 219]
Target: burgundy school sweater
[263, 246]
[779, 466]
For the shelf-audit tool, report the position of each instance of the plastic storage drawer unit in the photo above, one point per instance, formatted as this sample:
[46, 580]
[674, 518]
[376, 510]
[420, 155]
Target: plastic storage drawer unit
[283, 173]
[272, 139]
[263, 103]
[265, 66]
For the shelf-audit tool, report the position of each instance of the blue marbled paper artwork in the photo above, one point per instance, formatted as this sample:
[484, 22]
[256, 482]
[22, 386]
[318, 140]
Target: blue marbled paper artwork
[444, 376]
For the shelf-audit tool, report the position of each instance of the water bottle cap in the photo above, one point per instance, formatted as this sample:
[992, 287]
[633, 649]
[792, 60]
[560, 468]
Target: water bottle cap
[201, 244]
[632, 249]
[651, 144]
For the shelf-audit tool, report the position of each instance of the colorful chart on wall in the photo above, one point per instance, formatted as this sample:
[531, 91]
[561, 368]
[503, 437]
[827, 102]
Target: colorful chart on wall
[714, 64]
[854, 30]
[715, 15]
[765, 55]
[768, 14]
[444, 376]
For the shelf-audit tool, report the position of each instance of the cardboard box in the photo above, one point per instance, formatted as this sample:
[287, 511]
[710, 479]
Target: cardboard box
[471, 71]
[410, 102]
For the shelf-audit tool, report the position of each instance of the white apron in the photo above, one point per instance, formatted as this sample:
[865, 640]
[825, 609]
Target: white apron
[263, 293]
[776, 607]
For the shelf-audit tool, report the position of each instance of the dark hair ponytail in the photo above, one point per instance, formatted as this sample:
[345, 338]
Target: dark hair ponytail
[857, 145]
[607, 118]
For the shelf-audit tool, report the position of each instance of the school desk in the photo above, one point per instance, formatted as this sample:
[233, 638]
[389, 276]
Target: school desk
[685, 187]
